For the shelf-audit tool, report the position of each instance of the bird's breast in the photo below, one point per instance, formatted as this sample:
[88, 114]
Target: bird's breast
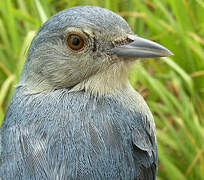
[74, 134]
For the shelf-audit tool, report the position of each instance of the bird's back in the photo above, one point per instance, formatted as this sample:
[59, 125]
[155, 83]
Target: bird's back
[64, 135]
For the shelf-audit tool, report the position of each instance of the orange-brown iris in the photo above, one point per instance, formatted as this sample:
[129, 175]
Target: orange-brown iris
[75, 42]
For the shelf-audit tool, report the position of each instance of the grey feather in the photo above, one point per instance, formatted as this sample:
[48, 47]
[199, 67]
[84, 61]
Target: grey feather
[76, 136]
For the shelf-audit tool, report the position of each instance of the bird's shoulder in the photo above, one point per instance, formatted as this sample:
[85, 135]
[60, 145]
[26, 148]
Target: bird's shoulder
[139, 118]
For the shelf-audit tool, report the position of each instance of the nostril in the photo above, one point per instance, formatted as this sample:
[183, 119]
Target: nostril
[94, 44]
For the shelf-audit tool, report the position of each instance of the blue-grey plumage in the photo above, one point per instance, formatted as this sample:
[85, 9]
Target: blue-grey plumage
[74, 114]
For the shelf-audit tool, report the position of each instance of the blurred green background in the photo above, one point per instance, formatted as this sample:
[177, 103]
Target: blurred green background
[173, 87]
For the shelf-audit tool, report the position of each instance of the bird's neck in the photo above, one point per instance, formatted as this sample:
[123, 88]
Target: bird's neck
[110, 81]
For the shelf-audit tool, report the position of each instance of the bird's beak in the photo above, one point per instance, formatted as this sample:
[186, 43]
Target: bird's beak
[141, 48]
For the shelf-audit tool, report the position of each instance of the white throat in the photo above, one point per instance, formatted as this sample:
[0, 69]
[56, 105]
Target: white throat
[109, 81]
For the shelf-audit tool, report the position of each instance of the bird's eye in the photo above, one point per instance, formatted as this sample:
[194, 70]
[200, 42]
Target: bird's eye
[75, 42]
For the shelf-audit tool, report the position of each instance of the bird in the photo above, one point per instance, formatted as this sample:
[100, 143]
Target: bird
[74, 114]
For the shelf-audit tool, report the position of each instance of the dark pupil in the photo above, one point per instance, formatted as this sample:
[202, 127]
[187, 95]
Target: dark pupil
[75, 41]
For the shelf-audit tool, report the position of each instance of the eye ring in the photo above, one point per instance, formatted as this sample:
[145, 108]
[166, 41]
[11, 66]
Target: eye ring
[75, 42]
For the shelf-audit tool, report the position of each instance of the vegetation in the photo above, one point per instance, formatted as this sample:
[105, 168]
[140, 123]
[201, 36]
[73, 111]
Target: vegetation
[173, 87]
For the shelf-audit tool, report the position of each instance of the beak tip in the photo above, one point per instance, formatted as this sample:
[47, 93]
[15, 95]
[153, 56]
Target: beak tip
[169, 53]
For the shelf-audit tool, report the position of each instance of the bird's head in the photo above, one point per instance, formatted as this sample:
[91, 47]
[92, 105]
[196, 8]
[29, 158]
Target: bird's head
[84, 47]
